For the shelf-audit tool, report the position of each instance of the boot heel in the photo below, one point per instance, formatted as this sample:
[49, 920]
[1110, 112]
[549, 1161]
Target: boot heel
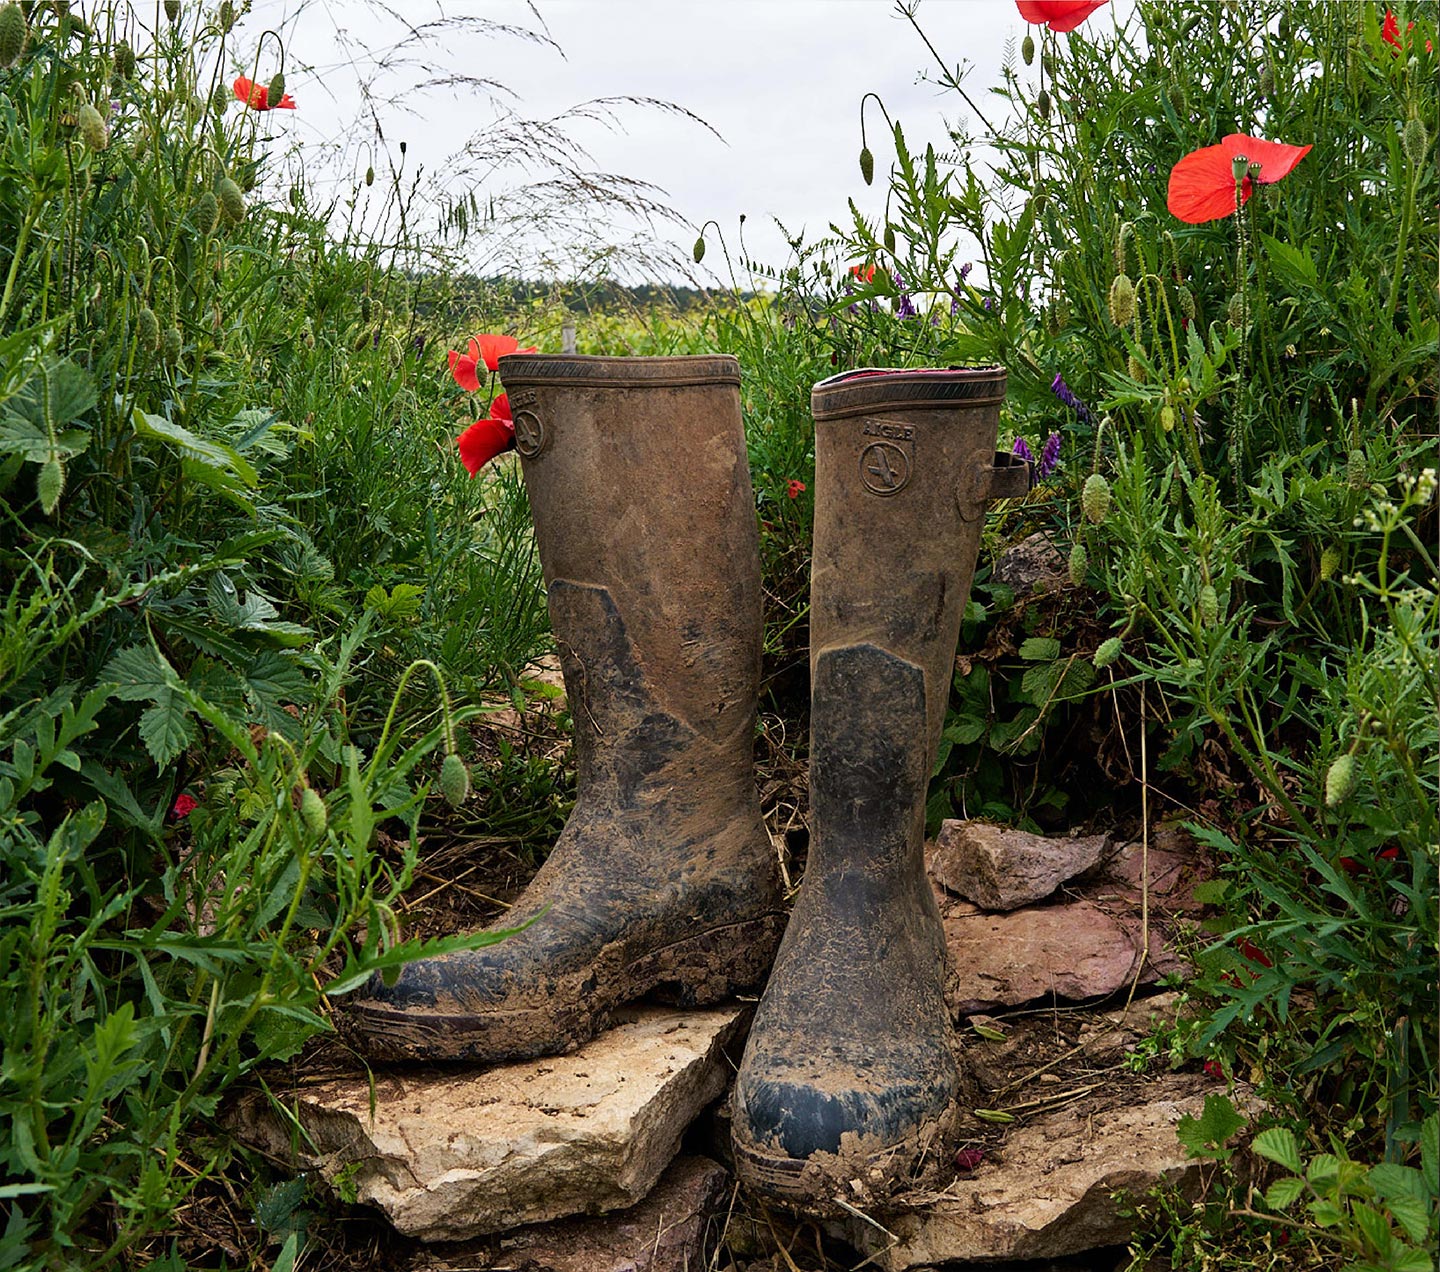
[715, 965]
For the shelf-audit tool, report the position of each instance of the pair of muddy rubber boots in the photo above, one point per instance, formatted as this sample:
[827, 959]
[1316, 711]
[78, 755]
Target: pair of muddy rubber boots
[664, 878]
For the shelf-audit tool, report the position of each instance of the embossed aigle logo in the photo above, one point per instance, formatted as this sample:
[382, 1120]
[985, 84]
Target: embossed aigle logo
[884, 465]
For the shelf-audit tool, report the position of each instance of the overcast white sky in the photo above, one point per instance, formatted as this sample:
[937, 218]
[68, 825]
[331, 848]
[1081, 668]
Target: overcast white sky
[780, 81]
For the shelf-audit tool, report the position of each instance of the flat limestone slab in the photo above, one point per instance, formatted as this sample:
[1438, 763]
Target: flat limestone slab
[1048, 1194]
[667, 1232]
[453, 1154]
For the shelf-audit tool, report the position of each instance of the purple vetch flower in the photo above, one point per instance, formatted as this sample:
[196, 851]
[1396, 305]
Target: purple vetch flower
[905, 308]
[420, 345]
[1062, 391]
[965, 271]
[1050, 456]
[1021, 449]
[958, 289]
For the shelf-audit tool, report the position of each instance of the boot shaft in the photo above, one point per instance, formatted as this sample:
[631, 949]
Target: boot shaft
[639, 483]
[904, 464]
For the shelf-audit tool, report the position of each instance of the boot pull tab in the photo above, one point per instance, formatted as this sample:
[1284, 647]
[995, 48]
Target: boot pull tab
[1007, 476]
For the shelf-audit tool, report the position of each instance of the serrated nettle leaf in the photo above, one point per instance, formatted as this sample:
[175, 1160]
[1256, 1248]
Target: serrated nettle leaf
[1278, 1144]
[1415, 1215]
[35, 445]
[1205, 1136]
[203, 451]
[1390, 1179]
[136, 674]
[166, 728]
[1040, 649]
[1284, 1193]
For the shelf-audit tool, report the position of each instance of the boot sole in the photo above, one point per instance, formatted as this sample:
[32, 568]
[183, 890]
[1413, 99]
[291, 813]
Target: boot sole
[701, 970]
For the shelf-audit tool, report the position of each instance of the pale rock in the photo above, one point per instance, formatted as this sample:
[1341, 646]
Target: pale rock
[1034, 564]
[1049, 1194]
[667, 1232]
[452, 1154]
[1002, 869]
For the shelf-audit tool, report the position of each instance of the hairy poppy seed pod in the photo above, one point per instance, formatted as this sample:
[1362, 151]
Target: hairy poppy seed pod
[1108, 652]
[1095, 498]
[13, 33]
[1122, 301]
[889, 238]
[1357, 470]
[867, 165]
[207, 213]
[92, 128]
[454, 780]
[1079, 564]
[147, 329]
[1042, 104]
[1340, 781]
[171, 345]
[1329, 563]
[277, 88]
[369, 176]
[313, 812]
[232, 202]
[698, 251]
[1209, 606]
[1027, 48]
[1414, 140]
[1187, 302]
[124, 59]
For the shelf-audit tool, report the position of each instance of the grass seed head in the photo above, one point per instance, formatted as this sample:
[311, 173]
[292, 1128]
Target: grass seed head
[1329, 563]
[1357, 470]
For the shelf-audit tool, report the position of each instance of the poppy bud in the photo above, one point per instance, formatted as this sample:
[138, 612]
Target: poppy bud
[1167, 418]
[171, 345]
[1047, 61]
[92, 128]
[232, 202]
[313, 812]
[1187, 302]
[365, 309]
[1122, 301]
[1095, 498]
[1414, 141]
[1079, 564]
[1239, 166]
[369, 176]
[1340, 781]
[147, 329]
[1329, 563]
[1235, 311]
[454, 780]
[13, 33]
[698, 251]
[889, 238]
[276, 88]
[124, 59]
[867, 165]
[1189, 25]
[1027, 48]
[1357, 470]
[1177, 96]
[1042, 104]
[172, 10]
[1267, 81]
[1108, 652]
[1136, 368]
[1209, 606]
[227, 16]
[207, 213]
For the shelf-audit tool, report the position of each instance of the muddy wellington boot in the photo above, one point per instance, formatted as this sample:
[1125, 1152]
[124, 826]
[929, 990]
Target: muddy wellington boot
[664, 877]
[850, 1071]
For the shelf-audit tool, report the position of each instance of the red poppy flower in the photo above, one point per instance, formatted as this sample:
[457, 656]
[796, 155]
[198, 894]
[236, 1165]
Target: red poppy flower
[257, 96]
[1253, 952]
[1202, 184]
[184, 806]
[493, 348]
[486, 438]
[1059, 15]
[1214, 1069]
[463, 367]
[969, 1158]
[794, 488]
[864, 273]
[1390, 33]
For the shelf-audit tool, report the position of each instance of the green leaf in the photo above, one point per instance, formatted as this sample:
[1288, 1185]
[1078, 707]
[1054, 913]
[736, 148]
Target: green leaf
[1323, 1166]
[965, 730]
[35, 445]
[1291, 265]
[1430, 1153]
[1326, 1213]
[136, 674]
[166, 729]
[1390, 1179]
[1414, 1216]
[1283, 1193]
[1375, 1228]
[1211, 892]
[1411, 1261]
[211, 454]
[1040, 649]
[1205, 1136]
[50, 484]
[1278, 1144]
